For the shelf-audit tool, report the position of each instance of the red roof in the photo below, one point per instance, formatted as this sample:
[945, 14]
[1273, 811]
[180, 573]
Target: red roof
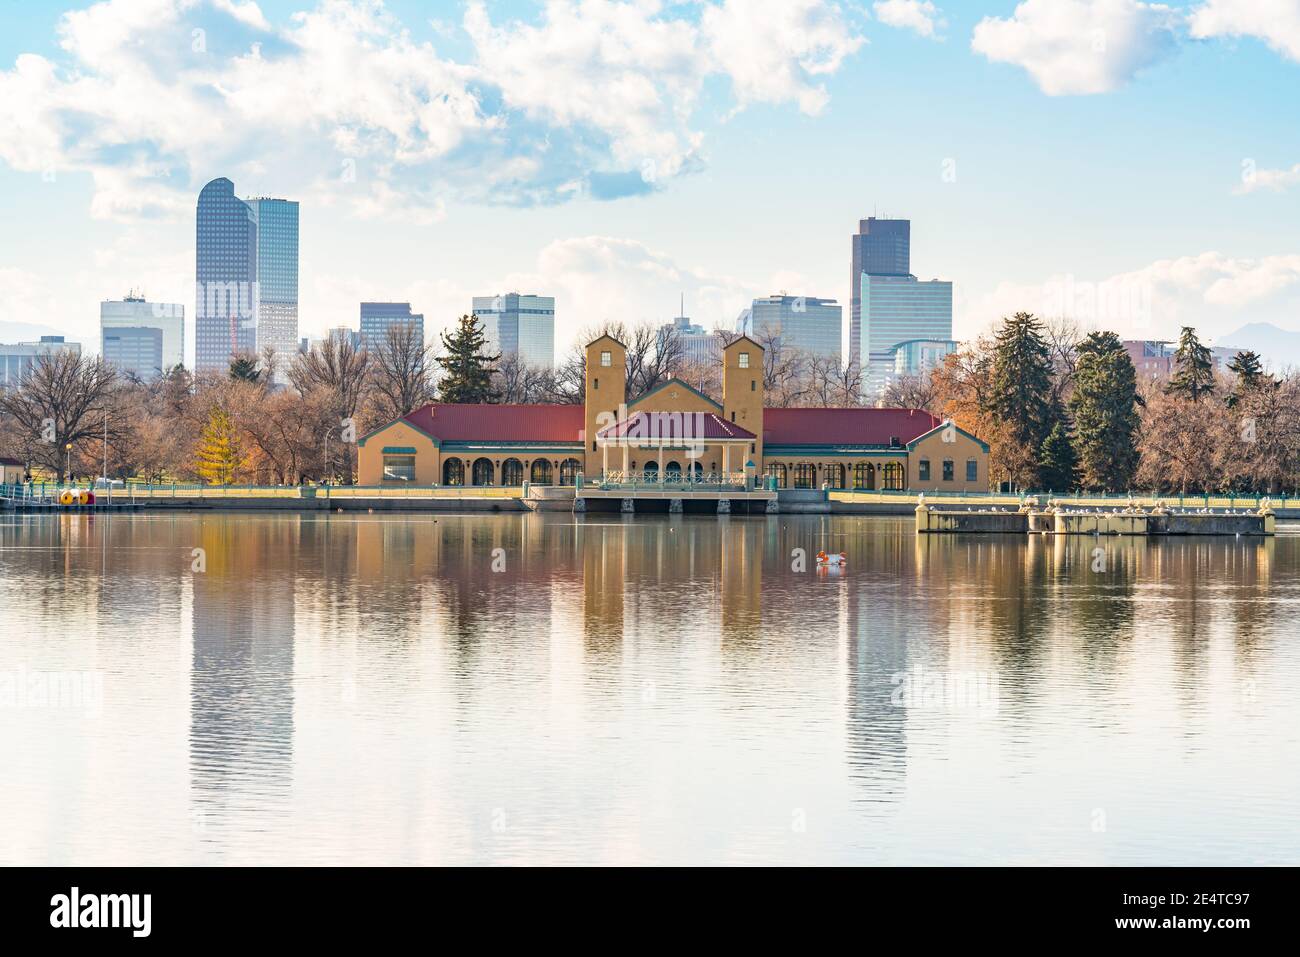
[845, 426]
[675, 426]
[500, 423]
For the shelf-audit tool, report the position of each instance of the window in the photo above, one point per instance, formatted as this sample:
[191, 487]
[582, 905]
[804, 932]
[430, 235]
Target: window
[595, 384]
[753, 385]
[805, 475]
[605, 359]
[399, 468]
[947, 470]
[923, 470]
[972, 470]
[893, 477]
[744, 360]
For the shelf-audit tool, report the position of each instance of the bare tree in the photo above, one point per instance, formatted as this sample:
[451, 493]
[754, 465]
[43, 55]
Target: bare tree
[913, 392]
[63, 399]
[401, 374]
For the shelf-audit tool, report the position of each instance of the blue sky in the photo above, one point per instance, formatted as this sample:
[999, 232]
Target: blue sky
[1135, 166]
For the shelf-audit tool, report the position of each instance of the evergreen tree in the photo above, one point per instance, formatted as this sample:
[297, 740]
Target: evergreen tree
[245, 368]
[1104, 406]
[1058, 463]
[1020, 391]
[1250, 376]
[467, 371]
[1195, 364]
[220, 454]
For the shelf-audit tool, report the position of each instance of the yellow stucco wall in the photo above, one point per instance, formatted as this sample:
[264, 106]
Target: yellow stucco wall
[959, 450]
[399, 434]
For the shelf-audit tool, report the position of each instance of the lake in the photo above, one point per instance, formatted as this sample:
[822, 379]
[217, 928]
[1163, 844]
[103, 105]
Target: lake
[550, 689]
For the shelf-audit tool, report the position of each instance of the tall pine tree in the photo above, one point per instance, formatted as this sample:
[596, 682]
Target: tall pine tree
[1058, 463]
[467, 370]
[1194, 363]
[1020, 389]
[1104, 406]
[1250, 376]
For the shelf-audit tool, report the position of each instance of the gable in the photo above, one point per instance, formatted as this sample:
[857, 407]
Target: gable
[674, 396]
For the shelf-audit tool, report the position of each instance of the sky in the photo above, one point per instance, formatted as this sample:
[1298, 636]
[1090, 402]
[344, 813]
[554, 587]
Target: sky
[1134, 166]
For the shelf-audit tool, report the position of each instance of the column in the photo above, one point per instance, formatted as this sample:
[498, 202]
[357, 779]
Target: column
[604, 460]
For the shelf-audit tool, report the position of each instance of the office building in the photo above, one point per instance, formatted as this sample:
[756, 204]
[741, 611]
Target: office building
[127, 328]
[894, 310]
[916, 356]
[277, 274]
[698, 345]
[803, 323]
[378, 317]
[246, 276]
[18, 358]
[881, 247]
[519, 324]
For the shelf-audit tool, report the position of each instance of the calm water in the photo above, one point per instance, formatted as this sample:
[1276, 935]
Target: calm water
[367, 689]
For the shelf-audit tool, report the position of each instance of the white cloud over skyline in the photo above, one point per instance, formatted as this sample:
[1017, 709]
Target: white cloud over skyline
[920, 16]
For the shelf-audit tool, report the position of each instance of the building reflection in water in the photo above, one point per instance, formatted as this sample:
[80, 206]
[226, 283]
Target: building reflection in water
[242, 675]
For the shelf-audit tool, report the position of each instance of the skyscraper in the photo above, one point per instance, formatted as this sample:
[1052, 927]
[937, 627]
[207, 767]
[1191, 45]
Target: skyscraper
[522, 324]
[277, 274]
[225, 272]
[378, 317]
[881, 247]
[804, 323]
[698, 345]
[246, 272]
[894, 310]
[130, 328]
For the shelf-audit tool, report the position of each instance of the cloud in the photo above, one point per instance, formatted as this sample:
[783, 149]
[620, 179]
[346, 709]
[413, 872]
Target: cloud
[921, 16]
[593, 98]
[1277, 180]
[1080, 46]
[772, 49]
[1276, 22]
[1211, 291]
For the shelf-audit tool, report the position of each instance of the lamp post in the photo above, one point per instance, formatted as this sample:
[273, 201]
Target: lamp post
[68, 447]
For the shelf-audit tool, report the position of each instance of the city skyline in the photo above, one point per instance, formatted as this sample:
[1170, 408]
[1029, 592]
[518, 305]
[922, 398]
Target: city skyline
[1192, 227]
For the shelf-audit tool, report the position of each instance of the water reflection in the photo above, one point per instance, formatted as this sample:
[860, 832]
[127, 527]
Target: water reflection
[505, 688]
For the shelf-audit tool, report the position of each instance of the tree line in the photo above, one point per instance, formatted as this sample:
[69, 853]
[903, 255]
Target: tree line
[1065, 411]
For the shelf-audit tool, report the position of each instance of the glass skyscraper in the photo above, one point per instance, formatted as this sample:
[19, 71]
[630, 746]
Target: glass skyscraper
[896, 309]
[378, 317]
[804, 323]
[521, 324]
[225, 272]
[277, 275]
[246, 273]
[881, 247]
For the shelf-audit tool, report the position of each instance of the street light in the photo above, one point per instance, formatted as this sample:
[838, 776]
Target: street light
[69, 449]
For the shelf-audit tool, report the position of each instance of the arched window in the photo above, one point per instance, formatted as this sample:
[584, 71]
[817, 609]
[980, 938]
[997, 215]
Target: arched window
[893, 474]
[651, 472]
[453, 472]
[673, 472]
[483, 472]
[569, 470]
[835, 476]
[512, 472]
[805, 475]
[777, 470]
[696, 471]
[864, 475]
[541, 472]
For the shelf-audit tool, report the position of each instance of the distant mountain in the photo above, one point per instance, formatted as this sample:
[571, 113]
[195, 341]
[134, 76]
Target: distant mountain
[1278, 347]
[11, 332]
